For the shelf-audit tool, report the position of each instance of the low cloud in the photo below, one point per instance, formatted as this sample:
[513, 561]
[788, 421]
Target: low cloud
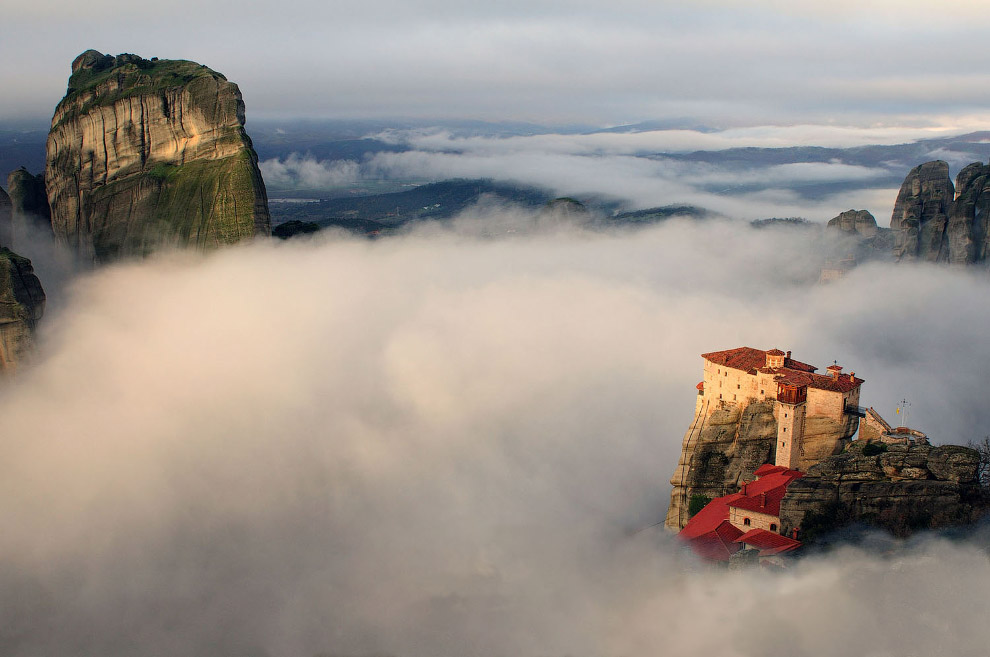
[753, 193]
[441, 444]
[305, 172]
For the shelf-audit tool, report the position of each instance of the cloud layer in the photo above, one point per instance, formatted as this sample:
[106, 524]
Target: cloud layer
[715, 62]
[445, 443]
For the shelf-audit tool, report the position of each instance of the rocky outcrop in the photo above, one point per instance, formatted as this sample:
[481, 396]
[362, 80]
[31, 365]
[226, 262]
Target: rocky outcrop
[721, 451]
[934, 221]
[144, 153]
[6, 220]
[30, 202]
[22, 303]
[853, 223]
[968, 237]
[921, 214]
[901, 489]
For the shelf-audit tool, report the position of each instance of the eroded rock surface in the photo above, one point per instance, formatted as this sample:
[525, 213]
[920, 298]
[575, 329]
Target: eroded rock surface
[144, 153]
[904, 489]
[934, 221]
[854, 223]
[22, 303]
[30, 202]
[6, 220]
[720, 453]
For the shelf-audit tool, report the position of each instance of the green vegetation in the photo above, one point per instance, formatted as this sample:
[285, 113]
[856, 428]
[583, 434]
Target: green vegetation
[163, 172]
[874, 449]
[697, 503]
[203, 203]
[134, 76]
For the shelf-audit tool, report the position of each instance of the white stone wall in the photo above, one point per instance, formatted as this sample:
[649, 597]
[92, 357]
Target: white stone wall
[738, 517]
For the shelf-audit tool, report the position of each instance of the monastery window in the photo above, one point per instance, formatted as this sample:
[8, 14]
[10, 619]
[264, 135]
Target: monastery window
[738, 387]
[733, 398]
[785, 414]
[746, 522]
[773, 527]
[761, 391]
[785, 429]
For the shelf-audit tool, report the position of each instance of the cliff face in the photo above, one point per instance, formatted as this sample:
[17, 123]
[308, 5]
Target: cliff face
[22, 303]
[934, 221]
[30, 201]
[720, 452]
[145, 153]
[6, 220]
[906, 488]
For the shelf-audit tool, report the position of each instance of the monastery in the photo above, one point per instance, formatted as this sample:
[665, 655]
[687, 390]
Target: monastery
[749, 518]
[746, 374]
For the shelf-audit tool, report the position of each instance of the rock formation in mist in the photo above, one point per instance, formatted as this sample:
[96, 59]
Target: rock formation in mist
[903, 489]
[30, 201]
[6, 220]
[934, 221]
[145, 153]
[720, 452]
[22, 303]
[854, 223]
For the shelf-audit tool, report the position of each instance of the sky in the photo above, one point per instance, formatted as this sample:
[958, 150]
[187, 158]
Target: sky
[717, 63]
[454, 442]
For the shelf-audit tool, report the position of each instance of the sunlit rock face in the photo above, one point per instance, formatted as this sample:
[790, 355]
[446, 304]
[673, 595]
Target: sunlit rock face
[22, 303]
[934, 221]
[145, 153]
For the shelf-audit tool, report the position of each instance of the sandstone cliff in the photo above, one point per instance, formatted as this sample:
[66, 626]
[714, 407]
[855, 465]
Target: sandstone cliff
[934, 221]
[903, 489]
[720, 452]
[30, 202]
[145, 153]
[22, 303]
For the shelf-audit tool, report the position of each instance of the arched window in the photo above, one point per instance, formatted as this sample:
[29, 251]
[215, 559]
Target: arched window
[746, 522]
[773, 527]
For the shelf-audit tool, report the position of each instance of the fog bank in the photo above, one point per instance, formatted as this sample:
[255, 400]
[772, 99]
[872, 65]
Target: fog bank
[445, 444]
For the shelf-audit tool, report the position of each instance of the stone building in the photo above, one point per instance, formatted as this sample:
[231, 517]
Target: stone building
[744, 375]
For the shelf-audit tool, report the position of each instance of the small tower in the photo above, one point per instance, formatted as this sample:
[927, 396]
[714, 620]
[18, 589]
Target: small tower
[791, 411]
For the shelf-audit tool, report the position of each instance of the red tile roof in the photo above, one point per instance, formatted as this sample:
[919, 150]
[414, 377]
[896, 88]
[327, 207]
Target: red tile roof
[718, 544]
[706, 527]
[844, 383]
[709, 517]
[776, 352]
[750, 360]
[768, 542]
[764, 494]
[768, 468]
[794, 372]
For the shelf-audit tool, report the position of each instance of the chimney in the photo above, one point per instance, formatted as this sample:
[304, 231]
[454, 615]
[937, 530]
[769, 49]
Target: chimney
[795, 532]
[788, 353]
[763, 499]
[852, 376]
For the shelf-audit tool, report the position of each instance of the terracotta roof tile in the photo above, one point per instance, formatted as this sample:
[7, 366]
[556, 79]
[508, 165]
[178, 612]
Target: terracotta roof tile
[768, 542]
